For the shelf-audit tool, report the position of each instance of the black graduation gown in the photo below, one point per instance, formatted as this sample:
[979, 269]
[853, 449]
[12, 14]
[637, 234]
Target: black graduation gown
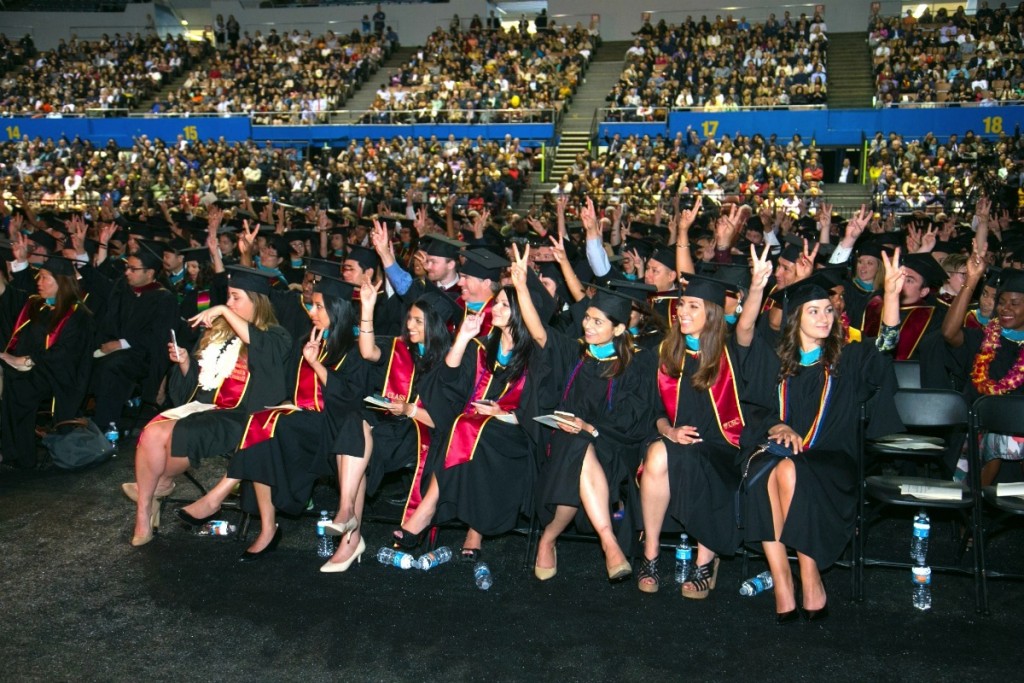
[489, 491]
[856, 299]
[822, 515]
[59, 372]
[218, 431]
[287, 461]
[394, 437]
[703, 477]
[145, 321]
[622, 411]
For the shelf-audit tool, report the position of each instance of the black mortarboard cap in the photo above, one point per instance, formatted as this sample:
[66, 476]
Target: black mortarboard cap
[301, 235]
[150, 258]
[335, 287]
[709, 289]
[615, 305]
[58, 265]
[791, 252]
[927, 267]
[641, 247]
[799, 293]
[1011, 280]
[323, 267]
[634, 289]
[440, 303]
[439, 245]
[665, 256]
[366, 258]
[201, 255]
[736, 276]
[43, 239]
[483, 263]
[249, 279]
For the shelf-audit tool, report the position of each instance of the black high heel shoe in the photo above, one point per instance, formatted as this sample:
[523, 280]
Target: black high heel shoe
[789, 617]
[408, 540]
[193, 521]
[815, 614]
[271, 547]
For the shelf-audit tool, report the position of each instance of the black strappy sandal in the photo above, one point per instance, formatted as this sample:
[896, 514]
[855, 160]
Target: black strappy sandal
[703, 580]
[648, 570]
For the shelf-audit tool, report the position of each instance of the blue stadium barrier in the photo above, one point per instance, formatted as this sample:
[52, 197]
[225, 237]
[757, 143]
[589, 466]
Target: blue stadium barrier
[835, 127]
[238, 129]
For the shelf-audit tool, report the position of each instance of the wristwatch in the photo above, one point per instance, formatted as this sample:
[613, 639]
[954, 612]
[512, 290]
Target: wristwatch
[595, 433]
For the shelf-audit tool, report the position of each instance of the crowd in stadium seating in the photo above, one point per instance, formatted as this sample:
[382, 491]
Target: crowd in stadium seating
[14, 53]
[111, 73]
[478, 75]
[642, 171]
[281, 79]
[948, 57]
[75, 172]
[721, 65]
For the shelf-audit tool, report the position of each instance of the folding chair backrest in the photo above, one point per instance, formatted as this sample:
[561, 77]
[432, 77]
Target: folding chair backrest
[999, 414]
[908, 374]
[931, 408]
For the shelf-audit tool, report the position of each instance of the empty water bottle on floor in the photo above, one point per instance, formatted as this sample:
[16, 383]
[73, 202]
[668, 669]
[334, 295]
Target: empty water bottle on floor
[324, 543]
[684, 559]
[434, 558]
[112, 436]
[922, 588]
[919, 542]
[482, 576]
[757, 585]
[396, 558]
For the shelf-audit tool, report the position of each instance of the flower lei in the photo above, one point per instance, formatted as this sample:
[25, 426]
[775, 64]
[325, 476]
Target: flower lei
[979, 373]
[217, 362]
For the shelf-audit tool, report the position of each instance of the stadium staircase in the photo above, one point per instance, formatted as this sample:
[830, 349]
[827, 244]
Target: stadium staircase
[573, 135]
[850, 81]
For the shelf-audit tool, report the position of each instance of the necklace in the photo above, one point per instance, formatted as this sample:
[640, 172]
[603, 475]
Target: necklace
[217, 362]
[979, 373]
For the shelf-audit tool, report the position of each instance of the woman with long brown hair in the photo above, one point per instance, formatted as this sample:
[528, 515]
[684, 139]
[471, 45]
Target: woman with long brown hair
[693, 466]
[801, 488]
[236, 369]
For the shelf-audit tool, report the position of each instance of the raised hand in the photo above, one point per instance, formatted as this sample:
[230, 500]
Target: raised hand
[520, 263]
[760, 267]
[558, 249]
[367, 294]
[311, 349]
[688, 216]
[805, 264]
[895, 274]
[588, 215]
[247, 238]
[471, 326]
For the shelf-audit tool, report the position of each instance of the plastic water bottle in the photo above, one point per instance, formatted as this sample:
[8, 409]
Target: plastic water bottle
[324, 543]
[435, 557]
[919, 542]
[684, 559]
[482, 576]
[757, 585]
[922, 588]
[396, 558]
[112, 436]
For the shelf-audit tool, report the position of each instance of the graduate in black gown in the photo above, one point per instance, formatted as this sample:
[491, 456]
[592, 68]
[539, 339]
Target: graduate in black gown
[483, 469]
[992, 357]
[691, 471]
[236, 369]
[276, 460]
[43, 358]
[364, 445]
[605, 383]
[811, 388]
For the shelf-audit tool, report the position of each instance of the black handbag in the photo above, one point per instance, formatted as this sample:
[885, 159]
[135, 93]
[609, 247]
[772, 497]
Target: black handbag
[78, 448]
[772, 450]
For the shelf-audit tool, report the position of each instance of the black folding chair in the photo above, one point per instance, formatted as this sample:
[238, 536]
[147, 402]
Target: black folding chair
[937, 420]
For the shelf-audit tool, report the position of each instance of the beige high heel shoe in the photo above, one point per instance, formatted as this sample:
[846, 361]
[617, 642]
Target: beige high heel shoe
[154, 524]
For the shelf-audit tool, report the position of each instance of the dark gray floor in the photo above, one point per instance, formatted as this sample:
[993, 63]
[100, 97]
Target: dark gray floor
[77, 603]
